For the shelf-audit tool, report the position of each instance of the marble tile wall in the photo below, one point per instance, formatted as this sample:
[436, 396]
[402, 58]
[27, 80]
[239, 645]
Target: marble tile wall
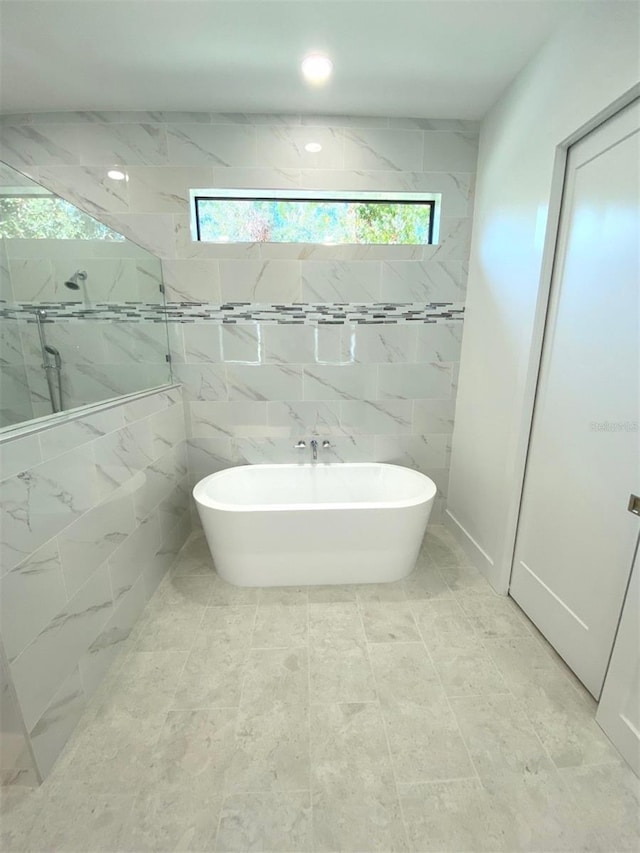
[94, 511]
[391, 395]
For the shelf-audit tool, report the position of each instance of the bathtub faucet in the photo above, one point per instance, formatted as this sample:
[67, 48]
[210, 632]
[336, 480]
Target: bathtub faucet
[314, 449]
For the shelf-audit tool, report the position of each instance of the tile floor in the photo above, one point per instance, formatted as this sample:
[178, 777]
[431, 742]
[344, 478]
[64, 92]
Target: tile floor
[426, 715]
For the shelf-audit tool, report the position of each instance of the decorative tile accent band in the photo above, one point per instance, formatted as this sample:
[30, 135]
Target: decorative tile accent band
[336, 313]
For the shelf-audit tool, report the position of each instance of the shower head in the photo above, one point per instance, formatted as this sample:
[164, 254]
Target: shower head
[72, 281]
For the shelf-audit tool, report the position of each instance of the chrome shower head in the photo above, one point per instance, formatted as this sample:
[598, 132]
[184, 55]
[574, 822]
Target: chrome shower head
[72, 281]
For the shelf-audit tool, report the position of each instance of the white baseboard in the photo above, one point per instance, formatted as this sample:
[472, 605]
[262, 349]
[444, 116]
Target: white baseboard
[478, 556]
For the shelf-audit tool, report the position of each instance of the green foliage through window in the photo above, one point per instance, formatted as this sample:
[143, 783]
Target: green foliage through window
[256, 220]
[35, 217]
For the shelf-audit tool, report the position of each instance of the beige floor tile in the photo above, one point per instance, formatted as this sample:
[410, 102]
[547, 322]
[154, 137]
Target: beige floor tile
[466, 579]
[443, 549]
[340, 672]
[455, 816]
[186, 593]
[494, 615]
[349, 748]
[166, 631]
[285, 595]
[394, 591]
[468, 672]
[389, 622]
[443, 623]
[276, 822]
[212, 678]
[174, 820]
[335, 624]
[19, 808]
[358, 821]
[500, 738]
[77, 818]
[280, 626]
[276, 675]
[404, 673]
[226, 593]
[226, 626]
[147, 681]
[194, 751]
[332, 594]
[271, 750]
[426, 582]
[606, 806]
[425, 742]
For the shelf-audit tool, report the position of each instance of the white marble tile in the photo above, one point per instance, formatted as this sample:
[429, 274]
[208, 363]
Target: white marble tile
[264, 382]
[422, 452]
[371, 417]
[242, 419]
[41, 501]
[414, 381]
[154, 483]
[88, 187]
[111, 641]
[302, 419]
[383, 149]
[202, 381]
[192, 280]
[250, 178]
[25, 145]
[33, 280]
[433, 416]
[343, 382]
[122, 454]
[167, 429]
[153, 231]
[340, 281]
[439, 342]
[212, 145]
[382, 344]
[87, 543]
[450, 152]
[208, 455]
[41, 668]
[30, 596]
[19, 455]
[423, 281]
[123, 145]
[299, 344]
[260, 281]
[453, 243]
[136, 553]
[165, 189]
[189, 249]
[284, 147]
[53, 729]
[64, 437]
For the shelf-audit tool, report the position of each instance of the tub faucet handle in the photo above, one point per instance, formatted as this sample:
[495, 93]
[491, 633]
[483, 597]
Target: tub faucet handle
[300, 445]
[326, 444]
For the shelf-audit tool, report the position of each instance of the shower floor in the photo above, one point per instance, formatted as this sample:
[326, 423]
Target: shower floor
[424, 715]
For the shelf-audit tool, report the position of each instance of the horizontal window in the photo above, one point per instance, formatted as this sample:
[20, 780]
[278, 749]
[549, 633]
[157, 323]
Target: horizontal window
[296, 216]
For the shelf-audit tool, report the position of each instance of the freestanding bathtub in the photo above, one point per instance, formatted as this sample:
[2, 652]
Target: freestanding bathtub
[294, 525]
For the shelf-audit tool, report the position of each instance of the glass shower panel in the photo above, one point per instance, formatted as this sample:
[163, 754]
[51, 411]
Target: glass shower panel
[82, 315]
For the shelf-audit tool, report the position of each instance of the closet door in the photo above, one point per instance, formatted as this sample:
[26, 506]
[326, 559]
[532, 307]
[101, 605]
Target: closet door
[576, 539]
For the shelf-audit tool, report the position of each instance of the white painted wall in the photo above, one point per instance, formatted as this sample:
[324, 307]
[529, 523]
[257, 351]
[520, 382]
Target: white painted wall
[581, 72]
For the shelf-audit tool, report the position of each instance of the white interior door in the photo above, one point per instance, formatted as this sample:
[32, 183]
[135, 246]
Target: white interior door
[576, 540]
[619, 706]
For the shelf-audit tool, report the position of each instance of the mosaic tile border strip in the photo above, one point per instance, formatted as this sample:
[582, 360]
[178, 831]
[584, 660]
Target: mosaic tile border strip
[296, 313]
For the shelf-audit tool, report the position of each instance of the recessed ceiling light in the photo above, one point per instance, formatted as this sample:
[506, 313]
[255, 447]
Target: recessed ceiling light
[317, 68]
[116, 175]
[313, 147]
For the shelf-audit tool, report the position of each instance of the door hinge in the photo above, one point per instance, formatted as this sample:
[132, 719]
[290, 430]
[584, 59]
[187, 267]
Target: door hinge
[167, 358]
[161, 288]
[634, 504]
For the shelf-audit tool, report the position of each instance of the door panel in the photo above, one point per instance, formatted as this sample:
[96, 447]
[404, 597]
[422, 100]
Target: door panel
[575, 538]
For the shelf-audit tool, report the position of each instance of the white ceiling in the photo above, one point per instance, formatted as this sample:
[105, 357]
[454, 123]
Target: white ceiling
[426, 58]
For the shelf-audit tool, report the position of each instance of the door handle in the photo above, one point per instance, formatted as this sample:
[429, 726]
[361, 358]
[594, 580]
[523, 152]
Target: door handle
[634, 504]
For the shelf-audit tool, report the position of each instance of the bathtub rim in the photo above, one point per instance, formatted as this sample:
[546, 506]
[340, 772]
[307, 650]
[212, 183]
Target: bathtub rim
[202, 499]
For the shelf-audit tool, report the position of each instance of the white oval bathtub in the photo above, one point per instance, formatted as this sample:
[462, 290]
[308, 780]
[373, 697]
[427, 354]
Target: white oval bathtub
[293, 525]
